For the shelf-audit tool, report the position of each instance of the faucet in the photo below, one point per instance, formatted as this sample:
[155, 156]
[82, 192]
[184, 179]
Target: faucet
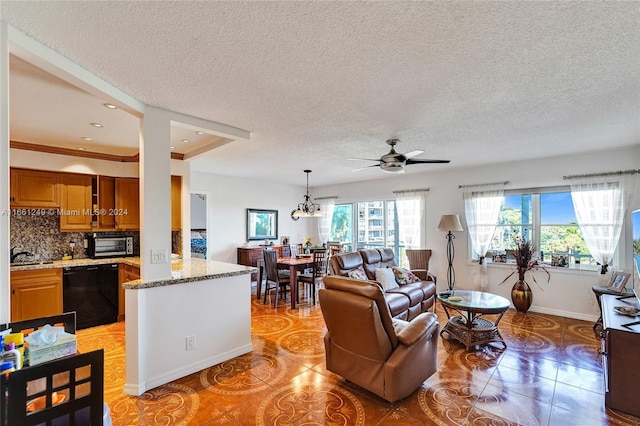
[15, 255]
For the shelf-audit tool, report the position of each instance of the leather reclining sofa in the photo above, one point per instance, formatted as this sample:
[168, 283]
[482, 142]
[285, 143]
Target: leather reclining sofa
[405, 302]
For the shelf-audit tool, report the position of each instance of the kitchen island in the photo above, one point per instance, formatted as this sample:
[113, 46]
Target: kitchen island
[199, 317]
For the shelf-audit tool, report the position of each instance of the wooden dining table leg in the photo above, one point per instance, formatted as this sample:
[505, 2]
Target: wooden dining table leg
[260, 266]
[293, 284]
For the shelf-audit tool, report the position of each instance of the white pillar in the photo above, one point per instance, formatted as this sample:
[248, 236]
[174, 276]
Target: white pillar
[155, 195]
[5, 289]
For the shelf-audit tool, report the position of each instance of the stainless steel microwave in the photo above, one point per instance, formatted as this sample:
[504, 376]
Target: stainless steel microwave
[110, 246]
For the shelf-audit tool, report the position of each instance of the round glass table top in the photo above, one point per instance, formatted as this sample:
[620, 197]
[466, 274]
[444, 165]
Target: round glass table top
[469, 299]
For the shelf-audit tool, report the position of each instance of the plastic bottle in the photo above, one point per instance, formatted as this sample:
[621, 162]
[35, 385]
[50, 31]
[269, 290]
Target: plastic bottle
[12, 354]
[7, 367]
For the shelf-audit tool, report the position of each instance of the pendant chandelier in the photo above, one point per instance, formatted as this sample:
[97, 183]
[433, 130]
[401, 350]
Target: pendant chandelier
[307, 208]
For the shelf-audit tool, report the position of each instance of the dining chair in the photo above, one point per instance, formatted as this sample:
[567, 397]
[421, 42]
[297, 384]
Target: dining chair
[275, 279]
[318, 270]
[295, 249]
[334, 247]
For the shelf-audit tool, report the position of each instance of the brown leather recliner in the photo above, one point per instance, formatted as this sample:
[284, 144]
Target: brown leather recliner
[365, 345]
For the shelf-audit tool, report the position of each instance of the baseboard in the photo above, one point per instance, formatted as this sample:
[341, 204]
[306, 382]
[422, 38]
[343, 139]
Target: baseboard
[197, 366]
[566, 314]
[185, 370]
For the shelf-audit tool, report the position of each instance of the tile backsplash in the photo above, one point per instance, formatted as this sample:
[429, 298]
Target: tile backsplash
[41, 236]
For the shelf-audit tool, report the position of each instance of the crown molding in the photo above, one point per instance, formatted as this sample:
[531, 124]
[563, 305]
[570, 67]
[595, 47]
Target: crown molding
[84, 154]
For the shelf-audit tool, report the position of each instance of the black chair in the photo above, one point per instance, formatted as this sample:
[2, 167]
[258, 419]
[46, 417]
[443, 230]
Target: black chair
[72, 392]
[275, 279]
[318, 270]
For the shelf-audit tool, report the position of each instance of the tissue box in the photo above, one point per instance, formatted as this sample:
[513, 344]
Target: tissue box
[64, 346]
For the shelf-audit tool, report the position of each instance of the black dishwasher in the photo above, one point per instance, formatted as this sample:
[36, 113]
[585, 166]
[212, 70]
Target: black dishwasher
[92, 292]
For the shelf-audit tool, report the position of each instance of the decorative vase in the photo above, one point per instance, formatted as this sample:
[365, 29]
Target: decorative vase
[521, 294]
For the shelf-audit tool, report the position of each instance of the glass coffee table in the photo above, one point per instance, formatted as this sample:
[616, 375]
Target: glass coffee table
[469, 324]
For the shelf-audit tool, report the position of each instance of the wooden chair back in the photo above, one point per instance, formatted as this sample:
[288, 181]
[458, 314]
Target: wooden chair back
[271, 265]
[320, 263]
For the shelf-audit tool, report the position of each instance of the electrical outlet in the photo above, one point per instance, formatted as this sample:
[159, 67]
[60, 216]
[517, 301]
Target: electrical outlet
[190, 342]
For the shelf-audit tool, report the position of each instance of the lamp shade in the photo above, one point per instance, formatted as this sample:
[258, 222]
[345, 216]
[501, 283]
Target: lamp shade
[450, 222]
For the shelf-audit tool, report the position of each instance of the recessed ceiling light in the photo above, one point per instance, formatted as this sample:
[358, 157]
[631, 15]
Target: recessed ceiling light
[199, 133]
[96, 125]
[185, 140]
[81, 148]
[110, 106]
[84, 138]
[172, 147]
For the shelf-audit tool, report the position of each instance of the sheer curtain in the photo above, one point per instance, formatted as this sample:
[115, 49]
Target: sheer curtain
[600, 209]
[410, 208]
[481, 211]
[324, 222]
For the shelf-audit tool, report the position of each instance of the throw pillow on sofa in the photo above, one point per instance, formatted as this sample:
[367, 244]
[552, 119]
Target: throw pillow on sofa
[358, 274]
[404, 276]
[386, 278]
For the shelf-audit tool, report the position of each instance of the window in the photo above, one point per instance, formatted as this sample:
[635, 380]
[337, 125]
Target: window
[549, 220]
[375, 225]
[342, 225]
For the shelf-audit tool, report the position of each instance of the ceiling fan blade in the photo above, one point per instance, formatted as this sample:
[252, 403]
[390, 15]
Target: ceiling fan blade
[365, 159]
[420, 161]
[413, 153]
[368, 167]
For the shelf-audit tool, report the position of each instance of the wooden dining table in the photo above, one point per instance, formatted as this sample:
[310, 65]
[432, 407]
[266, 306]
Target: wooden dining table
[293, 264]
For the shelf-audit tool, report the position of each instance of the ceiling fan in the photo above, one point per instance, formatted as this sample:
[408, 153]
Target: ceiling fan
[394, 162]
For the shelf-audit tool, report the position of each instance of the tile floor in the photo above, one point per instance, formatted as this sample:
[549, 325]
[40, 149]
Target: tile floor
[550, 374]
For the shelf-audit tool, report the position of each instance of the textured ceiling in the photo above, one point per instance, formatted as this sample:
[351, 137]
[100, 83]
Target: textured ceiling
[319, 82]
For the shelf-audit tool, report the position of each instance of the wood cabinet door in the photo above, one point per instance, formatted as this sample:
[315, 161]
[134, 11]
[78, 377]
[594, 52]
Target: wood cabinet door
[126, 273]
[106, 202]
[34, 188]
[176, 203]
[75, 202]
[36, 294]
[127, 211]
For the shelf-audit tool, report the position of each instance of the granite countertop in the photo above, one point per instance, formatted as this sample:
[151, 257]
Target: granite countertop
[190, 270]
[182, 271]
[29, 266]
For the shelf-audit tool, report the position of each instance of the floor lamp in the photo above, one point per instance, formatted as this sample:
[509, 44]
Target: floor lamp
[450, 223]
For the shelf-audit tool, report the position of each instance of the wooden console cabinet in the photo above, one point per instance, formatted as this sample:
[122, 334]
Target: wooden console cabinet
[620, 356]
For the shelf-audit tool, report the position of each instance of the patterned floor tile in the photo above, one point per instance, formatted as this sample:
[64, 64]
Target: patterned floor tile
[550, 372]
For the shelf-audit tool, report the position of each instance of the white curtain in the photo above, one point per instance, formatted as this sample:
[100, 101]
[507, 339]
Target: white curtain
[600, 209]
[324, 222]
[410, 207]
[481, 211]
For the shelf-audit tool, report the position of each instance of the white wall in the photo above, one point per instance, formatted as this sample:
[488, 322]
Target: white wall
[230, 197]
[569, 292]
[198, 212]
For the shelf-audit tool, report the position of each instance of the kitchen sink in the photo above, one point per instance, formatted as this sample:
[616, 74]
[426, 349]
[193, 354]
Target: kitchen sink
[48, 262]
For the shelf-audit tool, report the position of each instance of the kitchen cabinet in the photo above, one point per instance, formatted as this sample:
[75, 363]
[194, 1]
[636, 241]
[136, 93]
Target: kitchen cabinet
[176, 203]
[106, 202]
[34, 188]
[75, 202]
[36, 293]
[126, 273]
[127, 211]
